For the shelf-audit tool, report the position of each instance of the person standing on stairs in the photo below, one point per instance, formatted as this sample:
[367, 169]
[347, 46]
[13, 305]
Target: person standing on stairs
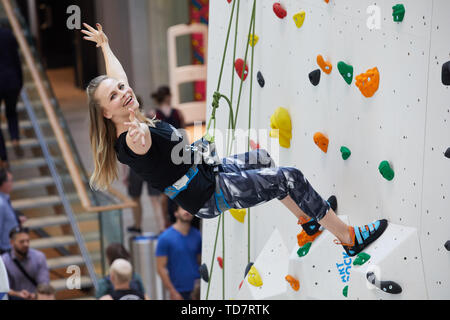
[241, 181]
[9, 218]
[11, 82]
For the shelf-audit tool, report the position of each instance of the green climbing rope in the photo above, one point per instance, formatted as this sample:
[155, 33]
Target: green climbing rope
[231, 122]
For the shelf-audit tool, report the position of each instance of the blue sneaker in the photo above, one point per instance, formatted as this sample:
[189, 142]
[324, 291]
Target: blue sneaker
[363, 237]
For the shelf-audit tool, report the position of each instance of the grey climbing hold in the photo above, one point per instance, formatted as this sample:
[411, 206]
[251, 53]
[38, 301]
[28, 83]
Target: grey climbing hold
[261, 80]
[386, 286]
[446, 73]
[447, 245]
[203, 270]
[447, 153]
[314, 77]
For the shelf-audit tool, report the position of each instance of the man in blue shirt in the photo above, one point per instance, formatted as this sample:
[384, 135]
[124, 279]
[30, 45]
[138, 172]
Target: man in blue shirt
[178, 256]
[8, 218]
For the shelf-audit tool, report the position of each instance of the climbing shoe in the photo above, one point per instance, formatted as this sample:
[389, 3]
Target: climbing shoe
[363, 237]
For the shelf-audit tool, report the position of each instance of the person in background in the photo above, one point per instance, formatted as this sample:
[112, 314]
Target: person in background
[195, 295]
[27, 268]
[134, 184]
[121, 274]
[9, 218]
[105, 286]
[178, 256]
[164, 110]
[45, 292]
[11, 82]
[4, 283]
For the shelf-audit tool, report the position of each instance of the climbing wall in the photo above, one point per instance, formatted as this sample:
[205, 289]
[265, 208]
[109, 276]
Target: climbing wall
[405, 122]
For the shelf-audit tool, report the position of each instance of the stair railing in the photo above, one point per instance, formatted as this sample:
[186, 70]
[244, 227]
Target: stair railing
[59, 186]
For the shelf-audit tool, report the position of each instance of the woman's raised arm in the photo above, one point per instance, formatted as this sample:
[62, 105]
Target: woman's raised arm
[113, 67]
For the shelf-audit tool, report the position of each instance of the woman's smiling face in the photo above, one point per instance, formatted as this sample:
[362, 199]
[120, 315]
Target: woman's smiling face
[115, 98]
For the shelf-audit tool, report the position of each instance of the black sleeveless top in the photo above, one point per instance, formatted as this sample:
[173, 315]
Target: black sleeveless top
[157, 167]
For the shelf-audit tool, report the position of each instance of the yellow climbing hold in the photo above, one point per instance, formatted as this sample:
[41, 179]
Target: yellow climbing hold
[254, 278]
[281, 125]
[299, 18]
[253, 39]
[239, 214]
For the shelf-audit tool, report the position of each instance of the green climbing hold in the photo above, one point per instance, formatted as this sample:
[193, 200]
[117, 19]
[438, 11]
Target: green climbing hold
[346, 71]
[399, 12]
[346, 153]
[386, 170]
[345, 291]
[303, 251]
[361, 259]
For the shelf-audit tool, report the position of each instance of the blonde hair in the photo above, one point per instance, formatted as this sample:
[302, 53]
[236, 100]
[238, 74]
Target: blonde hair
[103, 136]
[122, 269]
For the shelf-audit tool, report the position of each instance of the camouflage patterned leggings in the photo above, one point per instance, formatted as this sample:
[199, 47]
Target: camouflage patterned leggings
[251, 179]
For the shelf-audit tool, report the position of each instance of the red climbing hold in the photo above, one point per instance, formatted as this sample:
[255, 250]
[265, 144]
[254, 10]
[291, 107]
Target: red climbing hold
[220, 261]
[242, 282]
[279, 10]
[239, 66]
[229, 1]
[254, 145]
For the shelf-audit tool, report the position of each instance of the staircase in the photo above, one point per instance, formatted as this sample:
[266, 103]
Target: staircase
[37, 196]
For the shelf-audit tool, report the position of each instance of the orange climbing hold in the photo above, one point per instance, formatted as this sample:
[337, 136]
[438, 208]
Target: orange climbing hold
[326, 66]
[303, 238]
[321, 141]
[368, 82]
[293, 282]
[327, 1]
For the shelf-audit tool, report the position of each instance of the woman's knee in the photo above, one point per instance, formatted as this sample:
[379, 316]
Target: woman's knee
[292, 175]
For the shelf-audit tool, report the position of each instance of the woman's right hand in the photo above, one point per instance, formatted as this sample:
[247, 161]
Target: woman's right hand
[97, 36]
[136, 129]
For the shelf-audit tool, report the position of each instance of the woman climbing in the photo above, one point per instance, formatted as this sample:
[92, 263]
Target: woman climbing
[119, 131]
